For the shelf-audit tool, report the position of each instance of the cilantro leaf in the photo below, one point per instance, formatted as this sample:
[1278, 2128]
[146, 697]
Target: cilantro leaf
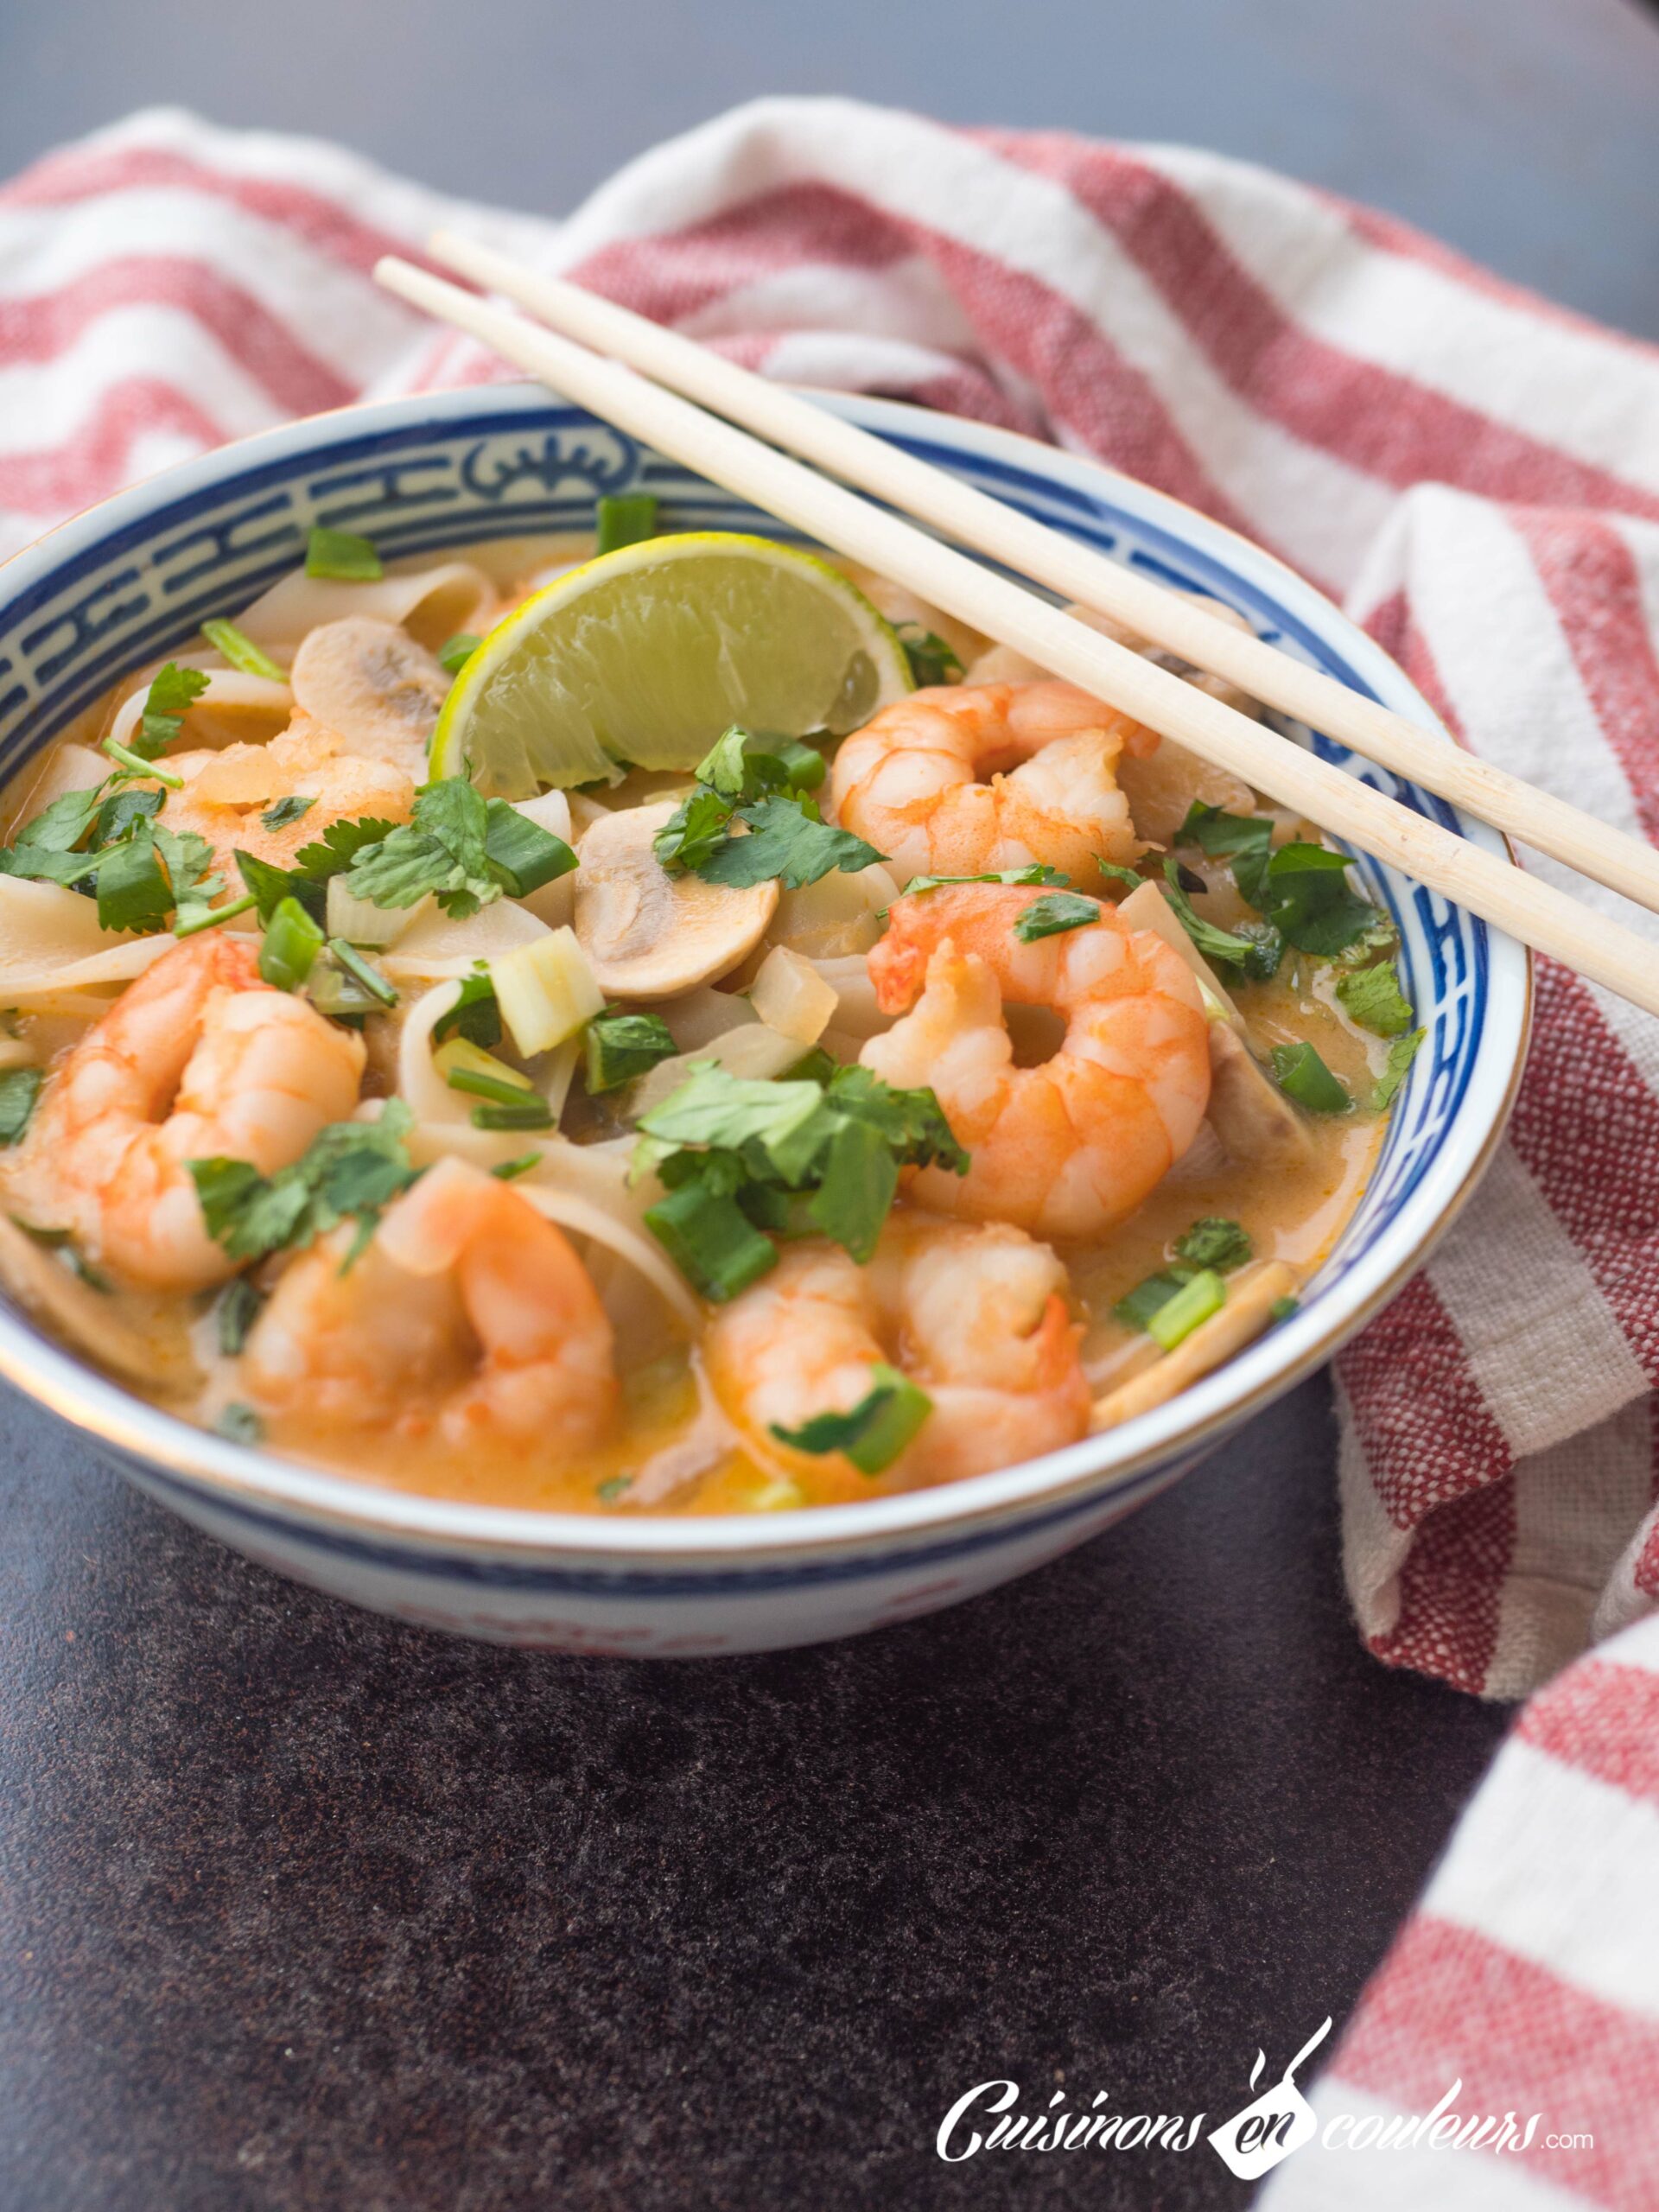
[350, 1170]
[931, 660]
[19, 1089]
[1214, 944]
[442, 851]
[288, 811]
[339, 845]
[1215, 1242]
[786, 842]
[1050, 916]
[694, 832]
[1402, 1053]
[172, 692]
[1374, 1000]
[1039, 871]
[1243, 839]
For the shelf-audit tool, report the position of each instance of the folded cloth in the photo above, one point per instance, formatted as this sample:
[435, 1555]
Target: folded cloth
[1477, 473]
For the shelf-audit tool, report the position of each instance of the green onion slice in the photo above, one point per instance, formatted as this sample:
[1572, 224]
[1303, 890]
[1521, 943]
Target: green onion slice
[338, 557]
[242, 652]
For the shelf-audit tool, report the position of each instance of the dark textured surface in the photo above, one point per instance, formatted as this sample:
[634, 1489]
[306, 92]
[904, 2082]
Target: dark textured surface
[301, 1909]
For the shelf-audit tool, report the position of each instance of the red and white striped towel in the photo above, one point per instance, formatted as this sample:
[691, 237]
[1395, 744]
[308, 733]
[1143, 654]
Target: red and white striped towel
[1476, 474]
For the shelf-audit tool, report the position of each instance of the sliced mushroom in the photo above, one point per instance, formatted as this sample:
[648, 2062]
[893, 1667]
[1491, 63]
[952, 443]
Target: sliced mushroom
[1256, 1123]
[650, 935]
[370, 683]
[1251, 1297]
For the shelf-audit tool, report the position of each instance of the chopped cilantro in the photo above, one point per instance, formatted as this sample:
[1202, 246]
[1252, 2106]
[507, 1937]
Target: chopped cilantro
[172, 691]
[1215, 943]
[694, 833]
[350, 1170]
[617, 1045]
[1039, 871]
[339, 557]
[465, 850]
[476, 1014]
[1301, 888]
[19, 1089]
[762, 783]
[287, 811]
[1215, 1242]
[1402, 1053]
[1051, 916]
[1374, 998]
[931, 660]
[241, 1425]
[873, 1432]
[235, 1313]
[787, 842]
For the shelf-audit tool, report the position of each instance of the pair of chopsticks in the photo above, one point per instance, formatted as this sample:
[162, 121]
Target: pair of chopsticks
[632, 373]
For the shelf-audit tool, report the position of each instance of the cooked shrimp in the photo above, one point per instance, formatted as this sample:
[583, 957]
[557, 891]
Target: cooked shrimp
[1069, 1147]
[975, 1315]
[227, 793]
[909, 781]
[468, 1317]
[196, 1060]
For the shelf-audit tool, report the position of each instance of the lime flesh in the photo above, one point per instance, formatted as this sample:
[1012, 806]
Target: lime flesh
[647, 655]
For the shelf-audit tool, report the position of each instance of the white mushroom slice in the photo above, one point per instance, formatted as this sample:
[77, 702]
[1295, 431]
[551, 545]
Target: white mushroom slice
[1256, 1123]
[650, 935]
[372, 684]
[1251, 1297]
[432, 604]
[235, 708]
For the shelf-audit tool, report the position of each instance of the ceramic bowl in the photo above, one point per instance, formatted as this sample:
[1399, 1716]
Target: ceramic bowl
[135, 577]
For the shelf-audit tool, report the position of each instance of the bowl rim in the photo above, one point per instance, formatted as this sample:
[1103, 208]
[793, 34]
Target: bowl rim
[133, 1429]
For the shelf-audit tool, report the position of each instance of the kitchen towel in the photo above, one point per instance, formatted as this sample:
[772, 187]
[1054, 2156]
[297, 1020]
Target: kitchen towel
[1475, 474]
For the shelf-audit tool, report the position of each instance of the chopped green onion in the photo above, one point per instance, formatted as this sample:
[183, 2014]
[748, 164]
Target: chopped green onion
[874, 1431]
[292, 942]
[614, 1487]
[136, 765]
[710, 1240]
[209, 918]
[475, 1015]
[237, 1312]
[378, 986]
[617, 1045]
[1215, 1242]
[534, 1114]
[480, 1074]
[1136, 1307]
[1195, 1301]
[294, 808]
[1282, 1308]
[339, 557]
[626, 518]
[525, 854]
[240, 1425]
[507, 1171]
[1057, 912]
[19, 1089]
[1302, 1075]
[242, 652]
[455, 652]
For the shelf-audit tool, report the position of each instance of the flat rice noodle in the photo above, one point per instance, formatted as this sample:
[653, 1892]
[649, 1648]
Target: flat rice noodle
[434, 948]
[235, 708]
[69, 768]
[51, 945]
[585, 1188]
[432, 604]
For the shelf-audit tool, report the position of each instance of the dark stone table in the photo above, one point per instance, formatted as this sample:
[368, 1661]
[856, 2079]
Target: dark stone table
[300, 1910]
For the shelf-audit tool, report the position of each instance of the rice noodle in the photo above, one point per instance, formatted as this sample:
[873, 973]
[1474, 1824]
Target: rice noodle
[434, 949]
[754, 1052]
[432, 604]
[235, 708]
[585, 1188]
[51, 945]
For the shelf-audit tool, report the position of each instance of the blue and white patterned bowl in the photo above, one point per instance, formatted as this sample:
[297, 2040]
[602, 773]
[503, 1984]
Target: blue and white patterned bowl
[137, 576]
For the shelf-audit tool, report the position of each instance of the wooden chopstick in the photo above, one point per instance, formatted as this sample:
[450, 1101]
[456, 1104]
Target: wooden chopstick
[1624, 863]
[1528, 908]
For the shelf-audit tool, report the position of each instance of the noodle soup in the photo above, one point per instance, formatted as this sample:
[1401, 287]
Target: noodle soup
[446, 1040]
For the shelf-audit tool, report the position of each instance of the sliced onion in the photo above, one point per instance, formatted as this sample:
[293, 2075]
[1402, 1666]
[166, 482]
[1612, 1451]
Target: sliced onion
[585, 1188]
[432, 604]
[791, 996]
[755, 1052]
[434, 948]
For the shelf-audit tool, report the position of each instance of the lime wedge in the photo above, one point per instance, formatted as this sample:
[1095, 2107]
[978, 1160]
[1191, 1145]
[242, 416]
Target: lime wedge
[648, 654]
